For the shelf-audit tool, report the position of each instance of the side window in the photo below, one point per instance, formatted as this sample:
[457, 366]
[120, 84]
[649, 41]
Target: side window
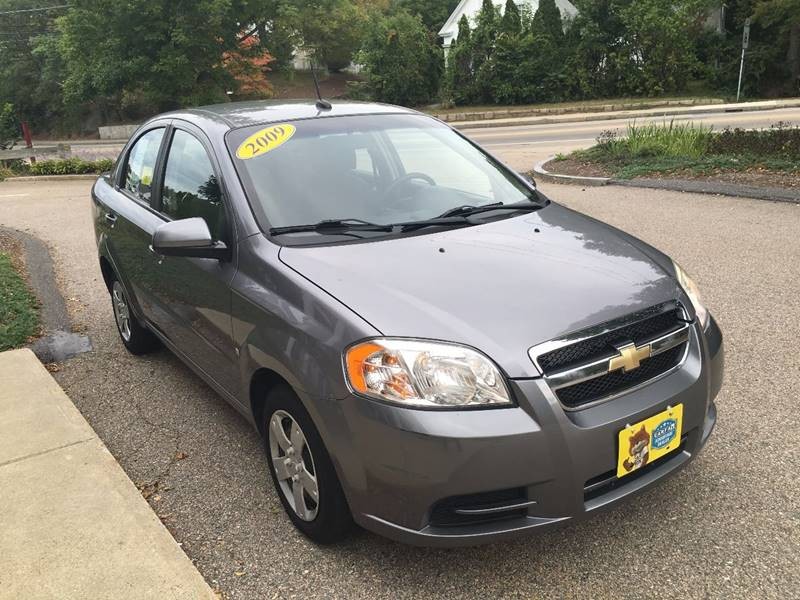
[138, 176]
[364, 161]
[190, 187]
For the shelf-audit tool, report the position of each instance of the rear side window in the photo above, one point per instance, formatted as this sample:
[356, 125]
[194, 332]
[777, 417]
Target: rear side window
[141, 164]
[190, 187]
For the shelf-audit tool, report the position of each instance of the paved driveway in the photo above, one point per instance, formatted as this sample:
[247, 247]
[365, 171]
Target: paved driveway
[728, 525]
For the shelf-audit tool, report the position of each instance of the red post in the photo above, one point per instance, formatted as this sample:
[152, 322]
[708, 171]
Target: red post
[26, 135]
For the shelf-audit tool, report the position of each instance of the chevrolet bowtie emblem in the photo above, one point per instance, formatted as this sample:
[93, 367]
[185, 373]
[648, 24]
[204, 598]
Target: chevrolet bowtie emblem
[629, 358]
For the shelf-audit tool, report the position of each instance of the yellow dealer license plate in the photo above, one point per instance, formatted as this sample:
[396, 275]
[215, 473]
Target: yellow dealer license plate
[649, 440]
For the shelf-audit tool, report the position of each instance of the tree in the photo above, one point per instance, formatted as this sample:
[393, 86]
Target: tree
[9, 127]
[30, 67]
[547, 21]
[483, 43]
[433, 13]
[402, 62]
[635, 47]
[459, 77]
[143, 56]
[785, 14]
[511, 22]
[332, 29]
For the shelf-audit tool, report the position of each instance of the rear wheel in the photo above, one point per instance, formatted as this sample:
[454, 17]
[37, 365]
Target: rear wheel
[136, 338]
[302, 471]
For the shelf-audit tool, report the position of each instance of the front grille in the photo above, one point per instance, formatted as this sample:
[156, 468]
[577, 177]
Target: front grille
[598, 388]
[642, 327]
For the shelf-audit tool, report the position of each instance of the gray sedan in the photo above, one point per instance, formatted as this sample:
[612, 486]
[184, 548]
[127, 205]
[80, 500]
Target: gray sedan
[428, 345]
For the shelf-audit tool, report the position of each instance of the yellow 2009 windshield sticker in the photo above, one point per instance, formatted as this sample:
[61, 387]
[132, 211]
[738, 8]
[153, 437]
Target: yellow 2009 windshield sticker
[265, 141]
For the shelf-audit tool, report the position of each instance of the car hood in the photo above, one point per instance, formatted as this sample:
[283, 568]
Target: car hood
[500, 287]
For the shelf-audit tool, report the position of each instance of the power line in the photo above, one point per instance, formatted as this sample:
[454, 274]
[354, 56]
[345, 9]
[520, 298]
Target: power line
[30, 10]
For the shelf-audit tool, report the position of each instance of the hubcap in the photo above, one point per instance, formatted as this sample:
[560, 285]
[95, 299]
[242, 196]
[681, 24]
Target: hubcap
[122, 313]
[294, 465]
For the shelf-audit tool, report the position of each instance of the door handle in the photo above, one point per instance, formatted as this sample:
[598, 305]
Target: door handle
[111, 218]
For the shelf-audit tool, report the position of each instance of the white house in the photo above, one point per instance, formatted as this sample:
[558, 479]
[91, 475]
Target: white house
[471, 8]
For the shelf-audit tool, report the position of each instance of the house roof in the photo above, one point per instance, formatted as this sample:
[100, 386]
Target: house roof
[449, 30]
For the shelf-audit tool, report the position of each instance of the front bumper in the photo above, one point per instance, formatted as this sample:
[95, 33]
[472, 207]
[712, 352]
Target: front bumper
[398, 465]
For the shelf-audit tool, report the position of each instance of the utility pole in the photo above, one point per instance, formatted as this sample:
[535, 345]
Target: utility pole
[745, 46]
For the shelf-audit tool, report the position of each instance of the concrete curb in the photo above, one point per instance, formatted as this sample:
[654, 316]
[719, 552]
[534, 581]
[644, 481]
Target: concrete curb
[35, 178]
[516, 113]
[74, 525]
[544, 174]
[628, 114]
[714, 188]
[674, 185]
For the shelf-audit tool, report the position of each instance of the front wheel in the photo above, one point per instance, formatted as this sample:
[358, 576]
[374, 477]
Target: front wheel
[136, 338]
[302, 471]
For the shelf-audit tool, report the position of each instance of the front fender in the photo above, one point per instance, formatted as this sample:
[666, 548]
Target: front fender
[284, 323]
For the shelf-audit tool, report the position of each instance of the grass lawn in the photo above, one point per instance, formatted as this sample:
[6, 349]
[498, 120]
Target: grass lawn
[689, 150]
[19, 318]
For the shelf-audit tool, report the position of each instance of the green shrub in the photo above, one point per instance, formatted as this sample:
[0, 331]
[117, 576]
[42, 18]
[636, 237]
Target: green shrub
[402, 62]
[70, 166]
[9, 127]
[780, 140]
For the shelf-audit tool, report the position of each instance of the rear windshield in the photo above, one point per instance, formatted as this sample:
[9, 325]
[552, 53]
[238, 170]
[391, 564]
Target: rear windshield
[382, 169]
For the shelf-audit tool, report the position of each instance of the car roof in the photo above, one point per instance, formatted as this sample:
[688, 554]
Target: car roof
[243, 114]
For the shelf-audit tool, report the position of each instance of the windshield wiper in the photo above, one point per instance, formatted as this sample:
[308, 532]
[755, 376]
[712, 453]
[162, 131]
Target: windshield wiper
[435, 222]
[467, 210]
[333, 226]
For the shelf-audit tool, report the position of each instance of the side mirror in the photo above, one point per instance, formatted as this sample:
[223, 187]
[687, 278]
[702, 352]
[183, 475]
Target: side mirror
[188, 237]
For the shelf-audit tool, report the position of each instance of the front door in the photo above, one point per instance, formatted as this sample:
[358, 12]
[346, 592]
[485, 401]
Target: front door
[194, 293]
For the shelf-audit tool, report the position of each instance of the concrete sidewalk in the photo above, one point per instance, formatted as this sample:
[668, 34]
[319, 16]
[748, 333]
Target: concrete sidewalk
[669, 111]
[72, 525]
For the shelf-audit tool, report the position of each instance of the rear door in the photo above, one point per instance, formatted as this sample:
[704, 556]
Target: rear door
[129, 217]
[193, 294]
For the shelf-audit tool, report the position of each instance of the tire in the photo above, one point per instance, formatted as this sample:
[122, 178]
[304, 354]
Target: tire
[136, 337]
[325, 519]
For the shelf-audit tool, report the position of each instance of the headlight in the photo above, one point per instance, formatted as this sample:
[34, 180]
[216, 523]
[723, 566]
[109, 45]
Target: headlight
[424, 374]
[691, 289]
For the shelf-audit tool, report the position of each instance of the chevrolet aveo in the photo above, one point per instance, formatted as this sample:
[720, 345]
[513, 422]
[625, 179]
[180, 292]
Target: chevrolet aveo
[427, 344]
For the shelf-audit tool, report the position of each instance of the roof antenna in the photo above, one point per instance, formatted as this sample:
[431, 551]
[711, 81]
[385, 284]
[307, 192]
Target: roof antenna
[322, 104]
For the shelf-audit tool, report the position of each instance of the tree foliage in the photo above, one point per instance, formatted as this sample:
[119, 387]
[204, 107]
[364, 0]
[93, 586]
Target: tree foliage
[152, 53]
[332, 29]
[96, 61]
[402, 61]
[9, 127]
[433, 13]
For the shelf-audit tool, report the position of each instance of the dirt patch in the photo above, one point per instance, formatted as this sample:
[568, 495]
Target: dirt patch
[578, 168]
[757, 177]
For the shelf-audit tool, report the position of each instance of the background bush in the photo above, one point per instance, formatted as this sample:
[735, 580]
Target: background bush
[780, 141]
[70, 166]
[402, 62]
[9, 127]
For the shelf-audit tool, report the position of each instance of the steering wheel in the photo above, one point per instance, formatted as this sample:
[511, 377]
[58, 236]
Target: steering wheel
[401, 181]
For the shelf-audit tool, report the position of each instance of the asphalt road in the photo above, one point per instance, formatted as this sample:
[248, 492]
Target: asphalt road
[522, 146]
[727, 526]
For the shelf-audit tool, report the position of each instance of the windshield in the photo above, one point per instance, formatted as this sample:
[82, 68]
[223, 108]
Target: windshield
[377, 169]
